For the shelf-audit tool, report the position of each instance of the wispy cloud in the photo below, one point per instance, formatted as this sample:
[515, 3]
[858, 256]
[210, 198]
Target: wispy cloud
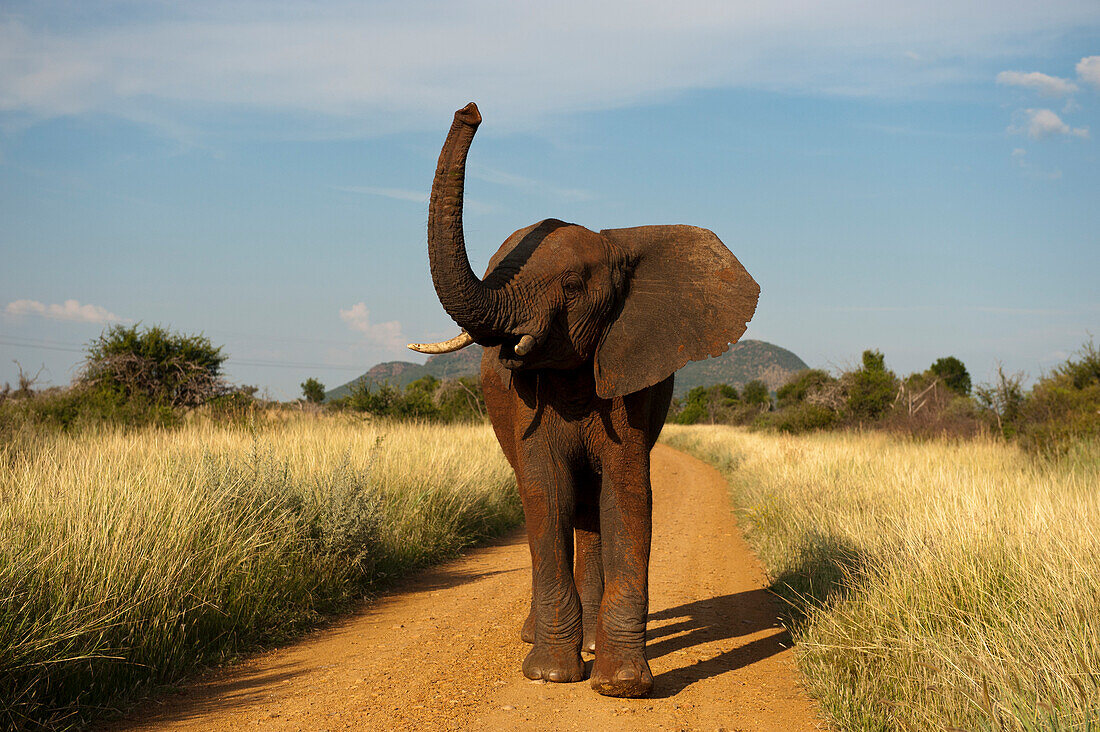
[1088, 71]
[500, 177]
[1048, 86]
[68, 310]
[379, 67]
[1040, 123]
[387, 334]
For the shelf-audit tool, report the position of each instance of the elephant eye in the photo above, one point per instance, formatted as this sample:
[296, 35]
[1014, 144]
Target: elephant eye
[572, 284]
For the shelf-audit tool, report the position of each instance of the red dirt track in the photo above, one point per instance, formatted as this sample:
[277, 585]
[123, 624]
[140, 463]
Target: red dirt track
[442, 650]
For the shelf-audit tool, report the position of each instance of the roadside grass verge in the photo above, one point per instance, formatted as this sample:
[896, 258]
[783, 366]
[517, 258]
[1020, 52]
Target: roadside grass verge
[930, 584]
[128, 558]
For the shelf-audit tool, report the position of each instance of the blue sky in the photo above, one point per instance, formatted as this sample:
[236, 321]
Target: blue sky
[922, 180]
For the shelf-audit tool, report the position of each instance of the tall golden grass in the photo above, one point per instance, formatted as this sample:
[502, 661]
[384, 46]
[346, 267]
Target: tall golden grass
[932, 585]
[128, 557]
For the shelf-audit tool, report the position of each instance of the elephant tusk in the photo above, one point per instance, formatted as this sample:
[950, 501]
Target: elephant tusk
[460, 341]
[526, 343]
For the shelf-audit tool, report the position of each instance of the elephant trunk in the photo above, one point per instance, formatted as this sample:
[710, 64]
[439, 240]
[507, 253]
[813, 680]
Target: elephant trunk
[465, 298]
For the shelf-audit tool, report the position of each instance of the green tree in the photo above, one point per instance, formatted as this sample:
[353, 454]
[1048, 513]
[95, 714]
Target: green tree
[155, 365]
[801, 385]
[872, 389]
[756, 393]
[313, 390]
[953, 373]
[708, 404]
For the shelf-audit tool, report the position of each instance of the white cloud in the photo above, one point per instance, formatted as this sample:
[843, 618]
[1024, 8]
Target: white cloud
[387, 335]
[1040, 123]
[1048, 86]
[1088, 70]
[351, 68]
[69, 310]
[1018, 152]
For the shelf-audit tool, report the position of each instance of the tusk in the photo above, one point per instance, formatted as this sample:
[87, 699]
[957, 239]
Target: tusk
[460, 341]
[526, 343]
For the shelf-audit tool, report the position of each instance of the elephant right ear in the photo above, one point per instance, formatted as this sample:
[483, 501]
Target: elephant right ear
[687, 298]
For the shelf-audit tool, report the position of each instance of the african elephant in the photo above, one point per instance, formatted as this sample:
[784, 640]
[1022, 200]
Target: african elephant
[582, 334]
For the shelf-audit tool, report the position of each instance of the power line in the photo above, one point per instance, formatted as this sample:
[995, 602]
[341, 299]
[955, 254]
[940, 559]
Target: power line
[46, 345]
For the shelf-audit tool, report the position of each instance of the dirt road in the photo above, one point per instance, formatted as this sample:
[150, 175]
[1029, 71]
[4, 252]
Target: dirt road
[442, 651]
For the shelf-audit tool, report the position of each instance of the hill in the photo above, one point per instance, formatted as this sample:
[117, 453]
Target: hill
[743, 362]
[466, 362]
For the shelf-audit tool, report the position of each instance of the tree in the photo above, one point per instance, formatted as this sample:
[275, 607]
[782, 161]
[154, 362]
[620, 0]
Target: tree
[709, 404]
[164, 368]
[871, 389]
[1004, 399]
[756, 392]
[801, 385]
[953, 373]
[313, 390]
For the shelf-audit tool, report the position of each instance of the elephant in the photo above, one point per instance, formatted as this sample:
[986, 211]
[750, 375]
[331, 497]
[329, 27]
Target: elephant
[582, 333]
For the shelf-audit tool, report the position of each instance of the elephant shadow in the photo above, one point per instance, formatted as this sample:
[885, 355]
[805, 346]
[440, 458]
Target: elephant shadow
[714, 619]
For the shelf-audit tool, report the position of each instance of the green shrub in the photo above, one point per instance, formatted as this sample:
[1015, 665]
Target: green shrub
[799, 418]
[313, 391]
[953, 373]
[154, 365]
[801, 385]
[871, 389]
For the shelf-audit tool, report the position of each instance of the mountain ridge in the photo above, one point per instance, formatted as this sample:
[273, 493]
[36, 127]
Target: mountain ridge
[745, 361]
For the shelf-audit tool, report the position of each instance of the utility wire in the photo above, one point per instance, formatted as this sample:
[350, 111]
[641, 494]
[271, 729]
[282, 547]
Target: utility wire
[45, 345]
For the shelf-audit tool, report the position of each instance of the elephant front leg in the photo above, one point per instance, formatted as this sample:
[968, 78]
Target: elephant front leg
[588, 566]
[548, 506]
[621, 668]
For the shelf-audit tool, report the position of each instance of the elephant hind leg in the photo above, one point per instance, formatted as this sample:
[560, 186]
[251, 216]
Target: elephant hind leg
[588, 562]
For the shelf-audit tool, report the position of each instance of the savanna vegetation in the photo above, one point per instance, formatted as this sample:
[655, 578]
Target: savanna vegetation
[935, 584]
[154, 518]
[1060, 409]
[130, 556]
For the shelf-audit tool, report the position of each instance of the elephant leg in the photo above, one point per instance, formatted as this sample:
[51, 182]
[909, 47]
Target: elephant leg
[621, 668]
[548, 506]
[588, 565]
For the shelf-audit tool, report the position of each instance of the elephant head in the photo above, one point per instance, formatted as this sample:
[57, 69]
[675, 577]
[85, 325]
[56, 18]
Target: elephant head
[637, 303]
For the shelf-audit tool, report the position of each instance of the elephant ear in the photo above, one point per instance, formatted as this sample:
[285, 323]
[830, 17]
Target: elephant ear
[687, 298]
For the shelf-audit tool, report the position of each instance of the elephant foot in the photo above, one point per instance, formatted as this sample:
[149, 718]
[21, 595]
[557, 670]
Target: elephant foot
[556, 664]
[527, 635]
[622, 674]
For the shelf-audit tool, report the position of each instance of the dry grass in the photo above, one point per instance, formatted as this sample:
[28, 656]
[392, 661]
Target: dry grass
[933, 585]
[129, 557]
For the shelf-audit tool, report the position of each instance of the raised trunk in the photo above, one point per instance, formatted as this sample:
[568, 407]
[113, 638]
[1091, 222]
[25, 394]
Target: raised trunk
[472, 305]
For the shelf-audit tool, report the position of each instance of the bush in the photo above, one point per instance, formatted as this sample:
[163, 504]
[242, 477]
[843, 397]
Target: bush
[710, 404]
[871, 389]
[953, 373]
[313, 390]
[427, 398]
[1063, 407]
[154, 365]
[756, 393]
[801, 417]
[801, 385]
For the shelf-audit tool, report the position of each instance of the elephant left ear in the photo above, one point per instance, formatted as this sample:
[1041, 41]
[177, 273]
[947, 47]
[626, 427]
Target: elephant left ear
[687, 298]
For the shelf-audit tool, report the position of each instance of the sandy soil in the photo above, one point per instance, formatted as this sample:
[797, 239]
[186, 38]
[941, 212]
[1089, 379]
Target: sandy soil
[442, 650]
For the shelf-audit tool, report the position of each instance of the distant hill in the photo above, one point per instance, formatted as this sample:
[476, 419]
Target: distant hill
[743, 362]
[466, 362]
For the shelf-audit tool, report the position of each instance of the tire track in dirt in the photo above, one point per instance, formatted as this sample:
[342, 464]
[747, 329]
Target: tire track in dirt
[442, 650]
